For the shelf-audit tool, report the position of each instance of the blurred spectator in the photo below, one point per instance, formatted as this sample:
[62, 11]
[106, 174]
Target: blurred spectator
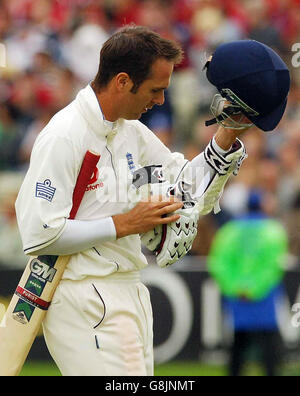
[122, 12]
[9, 139]
[285, 15]
[22, 45]
[23, 98]
[11, 250]
[82, 49]
[235, 196]
[26, 38]
[4, 23]
[292, 222]
[32, 132]
[210, 25]
[260, 26]
[160, 121]
[246, 260]
[162, 17]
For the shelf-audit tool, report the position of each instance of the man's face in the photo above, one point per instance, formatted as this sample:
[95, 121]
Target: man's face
[150, 92]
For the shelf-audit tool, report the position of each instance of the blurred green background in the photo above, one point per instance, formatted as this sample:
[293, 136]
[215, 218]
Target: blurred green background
[169, 369]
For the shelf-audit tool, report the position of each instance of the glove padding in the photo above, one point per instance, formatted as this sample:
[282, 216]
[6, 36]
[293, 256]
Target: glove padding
[170, 242]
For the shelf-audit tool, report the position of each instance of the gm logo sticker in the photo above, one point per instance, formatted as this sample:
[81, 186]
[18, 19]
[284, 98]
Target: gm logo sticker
[42, 271]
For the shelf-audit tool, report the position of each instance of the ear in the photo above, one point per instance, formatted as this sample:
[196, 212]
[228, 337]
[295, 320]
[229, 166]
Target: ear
[206, 66]
[123, 82]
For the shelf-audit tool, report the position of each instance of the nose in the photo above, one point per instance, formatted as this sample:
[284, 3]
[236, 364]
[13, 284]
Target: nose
[160, 99]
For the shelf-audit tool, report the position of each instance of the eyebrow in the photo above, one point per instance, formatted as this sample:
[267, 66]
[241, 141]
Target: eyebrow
[159, 88]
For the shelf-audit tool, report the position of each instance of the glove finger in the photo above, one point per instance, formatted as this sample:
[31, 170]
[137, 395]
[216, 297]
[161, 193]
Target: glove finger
[153, 243]
[151, 239]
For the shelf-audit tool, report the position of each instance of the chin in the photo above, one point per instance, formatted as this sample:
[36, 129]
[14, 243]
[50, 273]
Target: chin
[133, 117]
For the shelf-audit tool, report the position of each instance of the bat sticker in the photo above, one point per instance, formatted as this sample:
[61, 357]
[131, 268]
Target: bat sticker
[42, 272]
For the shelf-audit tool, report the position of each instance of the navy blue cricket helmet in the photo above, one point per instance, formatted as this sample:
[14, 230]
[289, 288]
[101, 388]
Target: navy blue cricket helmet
[254, 79]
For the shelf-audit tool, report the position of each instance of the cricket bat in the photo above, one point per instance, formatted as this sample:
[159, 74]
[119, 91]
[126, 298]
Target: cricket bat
[35, 291]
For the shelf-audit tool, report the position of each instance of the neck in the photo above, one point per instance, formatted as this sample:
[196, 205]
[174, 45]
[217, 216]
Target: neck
[110, 109]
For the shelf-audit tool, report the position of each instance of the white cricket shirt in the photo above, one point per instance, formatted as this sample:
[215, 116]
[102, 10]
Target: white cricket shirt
[45, 198]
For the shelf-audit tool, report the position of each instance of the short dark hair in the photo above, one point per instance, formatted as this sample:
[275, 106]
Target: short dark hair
[133, 50]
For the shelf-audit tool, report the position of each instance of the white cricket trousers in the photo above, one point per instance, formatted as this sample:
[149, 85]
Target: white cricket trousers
[101, 327]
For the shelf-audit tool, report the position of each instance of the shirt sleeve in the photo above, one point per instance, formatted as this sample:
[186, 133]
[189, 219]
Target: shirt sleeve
[78, 236]
[45, 198]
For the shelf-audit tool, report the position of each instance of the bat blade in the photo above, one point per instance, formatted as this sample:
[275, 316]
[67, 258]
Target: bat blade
[34, 293]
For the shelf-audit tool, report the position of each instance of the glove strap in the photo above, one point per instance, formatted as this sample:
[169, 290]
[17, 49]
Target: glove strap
[222, 163]
[216, 160]
[162, 241]
[224, 166]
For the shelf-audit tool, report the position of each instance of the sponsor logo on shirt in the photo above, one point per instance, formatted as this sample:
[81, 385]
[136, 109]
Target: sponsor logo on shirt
[93, 185]
[130, 162]
[45, 190]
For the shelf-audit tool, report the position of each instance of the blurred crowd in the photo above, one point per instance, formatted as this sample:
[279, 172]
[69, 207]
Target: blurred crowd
[52, 51]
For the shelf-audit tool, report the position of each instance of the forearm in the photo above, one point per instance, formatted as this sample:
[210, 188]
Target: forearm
[226, 137]
[80, 236]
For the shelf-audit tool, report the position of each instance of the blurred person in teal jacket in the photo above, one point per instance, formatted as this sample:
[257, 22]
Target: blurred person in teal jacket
[246, 261]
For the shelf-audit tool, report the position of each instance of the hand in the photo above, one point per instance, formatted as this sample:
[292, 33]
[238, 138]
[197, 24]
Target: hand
[145, 216]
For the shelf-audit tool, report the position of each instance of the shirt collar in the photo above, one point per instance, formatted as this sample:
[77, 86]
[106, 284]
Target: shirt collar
[91, 110]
